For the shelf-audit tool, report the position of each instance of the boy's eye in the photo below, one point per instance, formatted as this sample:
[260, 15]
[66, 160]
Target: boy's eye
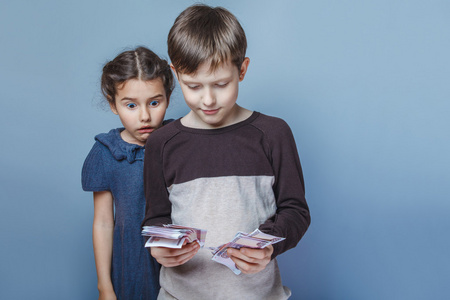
[154, 103]
[131, 105]
[222, 84]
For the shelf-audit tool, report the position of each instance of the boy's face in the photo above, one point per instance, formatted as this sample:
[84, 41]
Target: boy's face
[212, 96]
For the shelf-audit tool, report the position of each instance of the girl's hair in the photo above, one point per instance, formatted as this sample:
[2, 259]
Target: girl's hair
[140, 63]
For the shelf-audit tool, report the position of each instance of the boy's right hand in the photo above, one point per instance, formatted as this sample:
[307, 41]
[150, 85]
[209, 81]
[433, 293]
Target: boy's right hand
[169, 257]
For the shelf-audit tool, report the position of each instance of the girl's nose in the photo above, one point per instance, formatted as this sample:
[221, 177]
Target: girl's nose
[145, 115]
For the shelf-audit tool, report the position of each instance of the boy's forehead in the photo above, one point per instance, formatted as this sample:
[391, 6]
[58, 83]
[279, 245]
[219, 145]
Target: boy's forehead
[207, 69]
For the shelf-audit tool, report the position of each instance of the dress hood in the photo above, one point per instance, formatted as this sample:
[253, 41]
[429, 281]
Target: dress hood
[120, 149]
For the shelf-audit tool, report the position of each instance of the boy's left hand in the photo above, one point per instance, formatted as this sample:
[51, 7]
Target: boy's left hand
[250, 260]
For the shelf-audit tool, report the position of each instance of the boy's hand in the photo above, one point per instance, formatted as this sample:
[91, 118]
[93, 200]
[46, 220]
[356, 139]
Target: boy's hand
[250, 260]
[169, 257]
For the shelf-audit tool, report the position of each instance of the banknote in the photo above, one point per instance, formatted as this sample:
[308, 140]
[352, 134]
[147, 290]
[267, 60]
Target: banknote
[255, 239]
[222, 258]
[173, 236]
[155, 241]
[196, 234]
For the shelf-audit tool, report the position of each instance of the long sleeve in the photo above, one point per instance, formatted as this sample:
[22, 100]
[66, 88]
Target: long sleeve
[292, 217]
[158, 207]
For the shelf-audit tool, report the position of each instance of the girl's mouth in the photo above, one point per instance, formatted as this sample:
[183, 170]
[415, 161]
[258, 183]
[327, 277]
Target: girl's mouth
[146, 129]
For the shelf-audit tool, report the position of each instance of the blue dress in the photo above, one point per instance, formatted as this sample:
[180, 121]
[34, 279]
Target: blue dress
[117, 166]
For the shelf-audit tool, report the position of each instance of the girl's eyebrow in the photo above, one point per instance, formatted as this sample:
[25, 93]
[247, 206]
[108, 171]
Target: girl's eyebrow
[134, 99]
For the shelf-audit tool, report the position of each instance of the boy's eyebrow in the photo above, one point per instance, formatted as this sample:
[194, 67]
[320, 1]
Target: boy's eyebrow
[187, 81]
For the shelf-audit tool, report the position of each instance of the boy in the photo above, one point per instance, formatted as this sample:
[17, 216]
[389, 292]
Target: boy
[222, 168]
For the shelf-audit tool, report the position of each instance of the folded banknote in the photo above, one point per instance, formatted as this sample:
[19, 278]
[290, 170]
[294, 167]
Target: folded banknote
[173, 236]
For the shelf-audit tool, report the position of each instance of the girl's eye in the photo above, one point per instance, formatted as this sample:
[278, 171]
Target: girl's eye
[193, 87]
[131, 105]
[154, 103]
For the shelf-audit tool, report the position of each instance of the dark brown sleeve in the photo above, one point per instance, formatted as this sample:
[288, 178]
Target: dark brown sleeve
[158, 207]
[292, 217]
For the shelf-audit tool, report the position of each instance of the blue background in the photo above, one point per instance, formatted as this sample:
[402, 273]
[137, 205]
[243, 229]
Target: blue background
[364, 86]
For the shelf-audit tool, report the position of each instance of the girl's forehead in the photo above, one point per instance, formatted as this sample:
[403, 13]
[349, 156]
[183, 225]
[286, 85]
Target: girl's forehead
[137, 88]
[133, 82]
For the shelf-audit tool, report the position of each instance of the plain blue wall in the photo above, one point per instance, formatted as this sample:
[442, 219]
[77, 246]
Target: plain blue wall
[364, 86]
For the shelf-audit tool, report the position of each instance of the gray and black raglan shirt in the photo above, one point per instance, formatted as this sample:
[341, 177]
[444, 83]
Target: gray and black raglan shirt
[236, 178]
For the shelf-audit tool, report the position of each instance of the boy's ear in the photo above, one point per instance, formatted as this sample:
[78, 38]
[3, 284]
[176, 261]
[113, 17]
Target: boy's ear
[112, 105]
[174, 70]
[244, 68]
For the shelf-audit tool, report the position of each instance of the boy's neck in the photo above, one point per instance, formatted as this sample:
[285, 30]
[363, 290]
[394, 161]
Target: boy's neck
[239, 114]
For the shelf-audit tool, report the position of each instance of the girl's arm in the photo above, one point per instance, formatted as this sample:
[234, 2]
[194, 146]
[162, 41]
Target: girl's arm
[102, 234]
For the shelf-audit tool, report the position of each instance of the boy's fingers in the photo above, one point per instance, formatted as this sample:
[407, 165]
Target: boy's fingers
[249, 254]
[247, 267]
[250, 260]
[253, 253]
[258, 253]
[169, 252]
[187, 256]
[183, 250]
[169, 257]
[235, 253]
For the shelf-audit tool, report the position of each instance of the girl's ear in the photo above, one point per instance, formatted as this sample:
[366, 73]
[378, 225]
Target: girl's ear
[112, 105]
[244, 68]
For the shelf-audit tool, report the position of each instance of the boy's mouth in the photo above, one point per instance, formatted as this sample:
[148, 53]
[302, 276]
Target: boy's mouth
[210, 111]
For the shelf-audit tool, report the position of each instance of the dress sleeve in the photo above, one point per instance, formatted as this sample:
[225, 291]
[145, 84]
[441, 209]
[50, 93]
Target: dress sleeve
[158, 207]
[292, 217]
[94, 178]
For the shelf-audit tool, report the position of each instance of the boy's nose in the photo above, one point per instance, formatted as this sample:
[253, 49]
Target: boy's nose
[209, 98]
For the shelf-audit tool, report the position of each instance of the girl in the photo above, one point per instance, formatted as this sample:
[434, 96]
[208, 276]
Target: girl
[137, 84]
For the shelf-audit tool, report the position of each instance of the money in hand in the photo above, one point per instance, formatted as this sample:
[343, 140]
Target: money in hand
[256, 240]
[173, 236]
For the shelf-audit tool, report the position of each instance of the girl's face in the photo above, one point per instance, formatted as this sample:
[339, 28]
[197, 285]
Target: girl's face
[141, 106]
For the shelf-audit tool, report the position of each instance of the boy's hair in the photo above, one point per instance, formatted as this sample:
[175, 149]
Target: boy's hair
[204, 34]
[140, 63]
